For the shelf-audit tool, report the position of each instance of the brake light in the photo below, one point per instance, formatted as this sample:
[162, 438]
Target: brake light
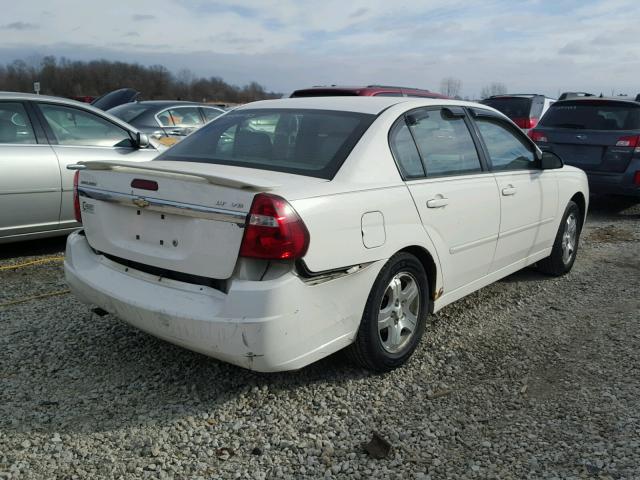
[144, 184]
[526, 123]
[636, 178]
[629, 141]
[538, 136]
[76, 197]
[274, 230]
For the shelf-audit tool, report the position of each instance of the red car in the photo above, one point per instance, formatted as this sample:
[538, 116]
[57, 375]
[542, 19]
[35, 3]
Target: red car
[366, 91]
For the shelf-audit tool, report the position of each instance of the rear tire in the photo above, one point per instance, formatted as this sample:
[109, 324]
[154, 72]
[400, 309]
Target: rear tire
[394, 317]
[565, 246]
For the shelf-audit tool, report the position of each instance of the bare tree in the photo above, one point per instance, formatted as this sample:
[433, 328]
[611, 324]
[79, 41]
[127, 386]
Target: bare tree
[494, 88]
[68, 78]
[451, 86]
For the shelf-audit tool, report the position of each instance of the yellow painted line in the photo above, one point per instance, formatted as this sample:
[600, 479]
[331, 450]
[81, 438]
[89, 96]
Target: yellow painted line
[34, 262]
[35, 297]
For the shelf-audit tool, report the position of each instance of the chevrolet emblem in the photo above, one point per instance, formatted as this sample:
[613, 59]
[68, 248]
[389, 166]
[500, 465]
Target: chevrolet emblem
[140, 202]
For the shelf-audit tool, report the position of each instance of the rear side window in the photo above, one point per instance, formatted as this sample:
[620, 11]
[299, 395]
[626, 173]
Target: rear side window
[444, 142]
[185, 116]
[15, 126]
[305, 142]
[512, 107]
[507, 150]
[592, 115]
[405, 151]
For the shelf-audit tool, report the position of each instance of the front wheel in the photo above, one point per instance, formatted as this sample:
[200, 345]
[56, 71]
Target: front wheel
[394, 317]
[565, 246]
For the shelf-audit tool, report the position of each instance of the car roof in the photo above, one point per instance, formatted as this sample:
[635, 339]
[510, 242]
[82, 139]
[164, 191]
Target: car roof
[369, 105]
[366, 90]
[521, 95]
[42, 98]
[595, 99]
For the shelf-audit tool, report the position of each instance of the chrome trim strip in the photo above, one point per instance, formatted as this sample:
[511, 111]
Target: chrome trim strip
[164, 206]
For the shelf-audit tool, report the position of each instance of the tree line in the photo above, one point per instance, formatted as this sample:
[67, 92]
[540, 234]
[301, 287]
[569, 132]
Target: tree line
[452, 87]
[67, 78]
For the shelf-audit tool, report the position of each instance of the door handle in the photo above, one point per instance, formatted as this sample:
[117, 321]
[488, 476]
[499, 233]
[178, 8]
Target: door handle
[438, 202]
[510, 190]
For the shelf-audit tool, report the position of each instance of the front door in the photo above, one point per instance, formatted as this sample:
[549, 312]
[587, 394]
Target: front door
[456, 197]
[528, 194]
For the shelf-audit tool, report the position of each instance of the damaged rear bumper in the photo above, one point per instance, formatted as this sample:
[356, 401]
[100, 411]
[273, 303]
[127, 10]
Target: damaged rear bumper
[274, 325]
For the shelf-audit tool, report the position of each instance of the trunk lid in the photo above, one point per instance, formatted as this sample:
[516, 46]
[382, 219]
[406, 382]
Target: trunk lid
[592, 150]
[192, 222]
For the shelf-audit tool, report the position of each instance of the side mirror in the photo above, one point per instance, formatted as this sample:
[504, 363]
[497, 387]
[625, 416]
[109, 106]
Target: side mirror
[550, 161]
[142, 141]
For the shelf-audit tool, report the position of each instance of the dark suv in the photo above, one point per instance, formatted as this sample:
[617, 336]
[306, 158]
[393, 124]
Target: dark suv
[599, 135]
[366, 91]
[524, 109]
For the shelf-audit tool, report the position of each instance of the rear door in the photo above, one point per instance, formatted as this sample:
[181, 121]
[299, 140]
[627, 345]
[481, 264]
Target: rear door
[594, 135]
[528, 194]
[81, 135]
[29, 174]
[456, 196]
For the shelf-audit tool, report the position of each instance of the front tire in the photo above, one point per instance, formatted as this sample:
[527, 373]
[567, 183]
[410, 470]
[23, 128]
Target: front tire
[565, 246]
[394, 317]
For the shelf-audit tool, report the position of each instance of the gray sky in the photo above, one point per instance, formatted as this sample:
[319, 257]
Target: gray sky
[533, 46]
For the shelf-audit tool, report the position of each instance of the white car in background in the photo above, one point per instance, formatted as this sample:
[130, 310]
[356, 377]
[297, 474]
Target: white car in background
[39, 137]
[289, 229]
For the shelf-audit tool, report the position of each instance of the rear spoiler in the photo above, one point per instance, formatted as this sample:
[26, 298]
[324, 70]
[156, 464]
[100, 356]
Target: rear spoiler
[225, 180]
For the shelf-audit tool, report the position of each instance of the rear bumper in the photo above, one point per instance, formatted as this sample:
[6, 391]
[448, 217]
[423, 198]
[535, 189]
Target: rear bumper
[614, 184]
[274, 325]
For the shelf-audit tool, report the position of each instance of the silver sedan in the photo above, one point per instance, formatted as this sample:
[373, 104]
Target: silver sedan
[39, 137]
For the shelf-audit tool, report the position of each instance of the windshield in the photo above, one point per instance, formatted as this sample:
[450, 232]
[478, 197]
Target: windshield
[129, 111]
[512, 107]
[593, 115]
[305, 142]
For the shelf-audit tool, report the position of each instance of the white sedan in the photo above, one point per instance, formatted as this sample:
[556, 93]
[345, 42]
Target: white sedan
[289, 229]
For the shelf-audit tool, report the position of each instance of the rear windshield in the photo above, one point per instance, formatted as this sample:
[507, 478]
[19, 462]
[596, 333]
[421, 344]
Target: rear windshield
[305, 142]
[592, 115]
[512, 107]
[129, 111]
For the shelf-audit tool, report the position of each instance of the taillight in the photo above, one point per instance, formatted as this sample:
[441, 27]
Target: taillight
[636, 178]
[274, 230]
[526, 123]
[76, 197]
[538, 136]
[629, 141]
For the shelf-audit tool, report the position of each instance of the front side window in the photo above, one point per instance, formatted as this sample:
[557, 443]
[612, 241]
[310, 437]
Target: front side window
[306, 142]
[506, 150]
[72, 126]
[15, 126]
[444, 142]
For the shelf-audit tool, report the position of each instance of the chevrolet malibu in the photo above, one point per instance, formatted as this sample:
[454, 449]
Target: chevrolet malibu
[289, 229]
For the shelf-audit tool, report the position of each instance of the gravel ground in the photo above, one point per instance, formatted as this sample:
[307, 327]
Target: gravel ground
[532, 377]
